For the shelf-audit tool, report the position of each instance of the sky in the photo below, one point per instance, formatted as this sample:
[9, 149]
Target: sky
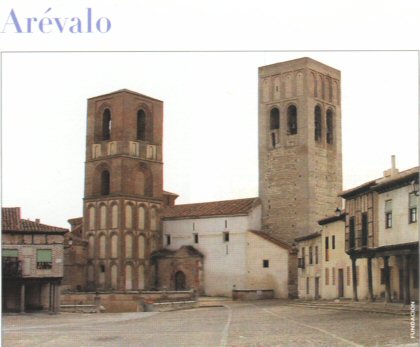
[210, 105]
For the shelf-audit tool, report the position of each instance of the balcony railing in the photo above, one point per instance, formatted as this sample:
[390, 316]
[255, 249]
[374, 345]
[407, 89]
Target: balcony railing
[11, 267]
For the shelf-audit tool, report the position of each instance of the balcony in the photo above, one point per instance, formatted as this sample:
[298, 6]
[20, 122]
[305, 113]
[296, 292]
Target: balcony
[11, 267]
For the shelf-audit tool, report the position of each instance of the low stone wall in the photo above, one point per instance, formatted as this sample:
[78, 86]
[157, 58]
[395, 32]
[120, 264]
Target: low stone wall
[134, 301]
[252, 294]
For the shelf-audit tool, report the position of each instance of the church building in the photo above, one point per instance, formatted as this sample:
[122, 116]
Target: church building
[138, 238]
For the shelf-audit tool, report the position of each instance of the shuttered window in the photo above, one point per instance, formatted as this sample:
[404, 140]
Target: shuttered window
[12, 253]
[44, 259]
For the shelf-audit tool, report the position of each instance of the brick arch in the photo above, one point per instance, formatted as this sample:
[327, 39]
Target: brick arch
[143, 180]
[144, 127]
[99, 114]
[98, 184]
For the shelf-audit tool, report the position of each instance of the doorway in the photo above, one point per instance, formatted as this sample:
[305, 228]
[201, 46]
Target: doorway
[316, 288]
[180, 281]
[340, 283]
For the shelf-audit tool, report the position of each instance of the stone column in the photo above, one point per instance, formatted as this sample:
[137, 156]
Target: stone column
[406, 279]
[22, 298]
[354, 277]
[370, 281]
[387, 280]
[56, 298]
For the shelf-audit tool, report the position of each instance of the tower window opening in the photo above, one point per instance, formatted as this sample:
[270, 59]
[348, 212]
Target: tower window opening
[106, 125]
[275, 119]
[273, 140]
[292, 128]
[330, 129]
[141, 125]
[318, 123]
[105, 182]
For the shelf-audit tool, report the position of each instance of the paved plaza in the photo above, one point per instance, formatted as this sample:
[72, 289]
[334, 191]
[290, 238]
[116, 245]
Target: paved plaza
[256, 323]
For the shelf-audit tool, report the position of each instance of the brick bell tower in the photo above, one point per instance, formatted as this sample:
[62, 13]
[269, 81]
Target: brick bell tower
[300, 160]
[123, 189]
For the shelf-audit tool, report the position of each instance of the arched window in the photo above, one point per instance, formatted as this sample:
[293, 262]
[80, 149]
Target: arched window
[114, 276]
[105, 182]
[318, 123]
[128, 277]
[128, 246]
[274, 119]
[292, 120]
[103, 214]
[91, 218]
[102, 246]
[330, 126]
[106, 125]
[129, 216]
[114, 216]
[141, 277]
[141, 125]
[153, 219]
[91, 246]
[114, 246]
[141, 218]
[141, 247]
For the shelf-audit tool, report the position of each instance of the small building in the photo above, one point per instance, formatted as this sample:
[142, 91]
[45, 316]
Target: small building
[336, 264]
[229, 250]
[32, 263]
[309, 266]
[382, 235]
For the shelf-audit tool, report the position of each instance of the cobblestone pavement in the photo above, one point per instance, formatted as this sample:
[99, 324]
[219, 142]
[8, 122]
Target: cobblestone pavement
[256, 324]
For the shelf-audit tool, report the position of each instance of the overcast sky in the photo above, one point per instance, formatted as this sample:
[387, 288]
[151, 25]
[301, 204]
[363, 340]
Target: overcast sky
[210, 98]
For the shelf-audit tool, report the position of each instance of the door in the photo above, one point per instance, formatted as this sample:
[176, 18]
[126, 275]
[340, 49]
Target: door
[316, 288]
[180, 281]
[340, 283]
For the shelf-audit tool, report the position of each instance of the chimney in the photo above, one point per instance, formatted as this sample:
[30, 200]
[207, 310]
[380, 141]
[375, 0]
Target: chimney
[37, 220]
[393, 170]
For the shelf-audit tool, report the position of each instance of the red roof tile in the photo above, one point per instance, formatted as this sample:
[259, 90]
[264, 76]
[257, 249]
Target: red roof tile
[207, 209]
[272, 239]
[11, 221]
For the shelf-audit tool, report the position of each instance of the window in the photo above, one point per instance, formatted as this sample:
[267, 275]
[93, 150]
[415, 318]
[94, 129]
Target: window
[225, 237]
[311, 259]
[195, 238]
[106, 125]
[105, 182]
[168, 239]
[364, 229]
[44, 259]
[352, 236]
[333, 242]
[274, 119]
[330, 128]
[327, 277]
[292, 120]
[316, 255]
[9, 253]
[333, 276]
[412, 208]
[326, 248]
[307, 285]
[225, 223]
[141, 125]
[318, 123]
[266, 263]
[102, 268]
[388, 214]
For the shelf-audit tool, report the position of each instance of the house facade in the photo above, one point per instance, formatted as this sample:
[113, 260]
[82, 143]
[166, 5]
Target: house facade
[32, 263]
[382, 235]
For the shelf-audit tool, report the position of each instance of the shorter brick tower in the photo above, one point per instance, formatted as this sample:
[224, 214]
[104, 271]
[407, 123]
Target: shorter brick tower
[123, 189]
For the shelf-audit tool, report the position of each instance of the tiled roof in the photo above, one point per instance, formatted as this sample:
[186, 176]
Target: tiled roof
[10, 218]
[207, 209]
[11, 221]
[383, 182]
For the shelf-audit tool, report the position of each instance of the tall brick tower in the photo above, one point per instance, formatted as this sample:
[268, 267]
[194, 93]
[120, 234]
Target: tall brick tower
[300, 168]
[123, 189]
